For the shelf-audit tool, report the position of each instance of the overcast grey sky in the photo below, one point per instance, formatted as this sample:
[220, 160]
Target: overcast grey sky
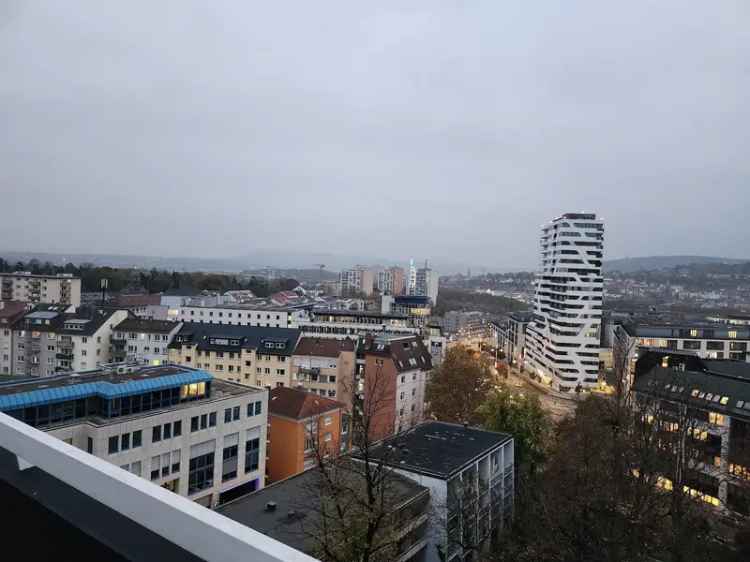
[432, 129]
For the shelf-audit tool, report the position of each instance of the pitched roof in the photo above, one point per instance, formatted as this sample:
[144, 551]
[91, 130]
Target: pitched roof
[226, 337]
[146, 325]
[299, 404]
[407, 352]
[85, 321]
[323, 347]
[11, 310]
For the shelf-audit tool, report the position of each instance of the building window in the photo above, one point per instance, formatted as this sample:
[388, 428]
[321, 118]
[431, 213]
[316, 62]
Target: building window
[177, 428]
[229, 467]
[715, 418]
[236, 413]
[125, 441]
[194, 424]
[201, 475]
[114, 444]
[732, 334]
[258, 408]
[156, 434]
[90, 446]
[328, 420]
[137, 438]
[167, 432]
[228, 415]
[252, 454]
[155, 466]
[204, 421]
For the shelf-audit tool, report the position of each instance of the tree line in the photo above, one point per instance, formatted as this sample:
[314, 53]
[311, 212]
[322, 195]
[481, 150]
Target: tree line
[151, 281]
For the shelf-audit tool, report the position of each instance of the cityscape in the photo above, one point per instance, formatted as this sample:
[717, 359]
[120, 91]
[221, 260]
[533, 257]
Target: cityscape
[375, 284]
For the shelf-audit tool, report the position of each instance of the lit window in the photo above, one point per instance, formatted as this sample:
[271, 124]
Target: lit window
[694, 393]
[693, 333]
[732, 334]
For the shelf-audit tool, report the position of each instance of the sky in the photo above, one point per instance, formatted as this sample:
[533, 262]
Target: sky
[440, 130]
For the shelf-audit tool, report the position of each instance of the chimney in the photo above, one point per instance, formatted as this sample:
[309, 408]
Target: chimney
[271, 506]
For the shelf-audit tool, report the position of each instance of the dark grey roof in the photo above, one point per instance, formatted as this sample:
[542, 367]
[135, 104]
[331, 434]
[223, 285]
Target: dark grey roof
[53, 318]
[298, 494]
[80, 527]
[437, 448]
[248, 337]
[681, 329]
[146, 325]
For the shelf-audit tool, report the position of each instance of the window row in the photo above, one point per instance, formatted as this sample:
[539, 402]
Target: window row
[123, 442]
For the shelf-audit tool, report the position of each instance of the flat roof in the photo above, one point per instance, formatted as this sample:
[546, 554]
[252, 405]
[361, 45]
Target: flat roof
[437, 449]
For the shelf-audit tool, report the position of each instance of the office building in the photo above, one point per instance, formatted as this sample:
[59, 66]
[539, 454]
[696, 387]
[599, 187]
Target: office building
[391, 281]
[23, 286]
[426, 284]
[252, 355]
[143, 341]
[709, 399]
[563, 340]
[178, 427]
[289, 512]
[301, 427]
[10, 311]
[57, 338]
[325, 366]
[393, 383]
[358, 280]
[470, 475]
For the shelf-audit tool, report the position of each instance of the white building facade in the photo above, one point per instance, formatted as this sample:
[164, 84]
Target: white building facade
[563, 339]
[52, 289]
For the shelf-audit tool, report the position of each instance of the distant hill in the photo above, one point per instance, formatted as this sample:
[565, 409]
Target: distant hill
[653, 263]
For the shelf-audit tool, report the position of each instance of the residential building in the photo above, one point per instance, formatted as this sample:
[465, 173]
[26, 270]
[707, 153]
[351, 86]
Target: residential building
[143, 341]
[148, 306]
[241, 315]
[563, 340]
[470, 475]
[393, 383]
[513, 339]
[352, 323]
[180, 428]
[465, 323]
[417, 308]
[53, 289]
[357, 280]
[325, 366]
[247, 354]
[712, 398]
[56, 338]
[391, 281]
[289, 512]
[301, 426]
[426, 284]
[10, 311]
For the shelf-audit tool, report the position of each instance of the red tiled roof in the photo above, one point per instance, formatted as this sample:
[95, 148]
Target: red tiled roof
[323, 347]
[298, 404]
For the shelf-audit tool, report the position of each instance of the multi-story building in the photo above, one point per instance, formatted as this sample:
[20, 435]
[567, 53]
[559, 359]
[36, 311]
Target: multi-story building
[352, 323]
[357, 280]
[708, 400]
[247, 354]
[147, 306]
[391, 281]
[513, 338]
[563, 340]
[139, 340]
[325, 366]
[470, 475]
[465, 323]
[301, 426]
[426, 284]
[178, 427]
[241, 315]
[289, 511]
[393, 383]
[53, 289]
[56, 338]
[10, 311]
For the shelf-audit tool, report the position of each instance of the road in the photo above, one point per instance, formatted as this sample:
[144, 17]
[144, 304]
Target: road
[558, 408]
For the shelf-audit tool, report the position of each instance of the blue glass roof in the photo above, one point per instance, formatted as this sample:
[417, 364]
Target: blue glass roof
[103, 389]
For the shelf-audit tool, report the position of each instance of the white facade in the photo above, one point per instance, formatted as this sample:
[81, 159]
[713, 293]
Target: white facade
[563, 339]
[239, 315]
[410, 395]
[52, 289]
[358, 280]
[142, 346]
[426, 284]
[6, 350]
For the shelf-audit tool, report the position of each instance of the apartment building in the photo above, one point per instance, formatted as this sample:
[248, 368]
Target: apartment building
[302, 425]
[252, 355]
[57, 338]
[10, 312]
[325, 366]
[563, 340]
[353, 323]
[357, 280]
[470, 475]
[511, 337]
[147, 306]
[391, 281]
[54, 289]
[712, 397]
[241, 315]
[393, 382]
[143, 341]
[178, 427]
[288, 511]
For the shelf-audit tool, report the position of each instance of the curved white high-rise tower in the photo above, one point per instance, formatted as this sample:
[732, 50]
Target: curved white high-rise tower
[563, 340]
